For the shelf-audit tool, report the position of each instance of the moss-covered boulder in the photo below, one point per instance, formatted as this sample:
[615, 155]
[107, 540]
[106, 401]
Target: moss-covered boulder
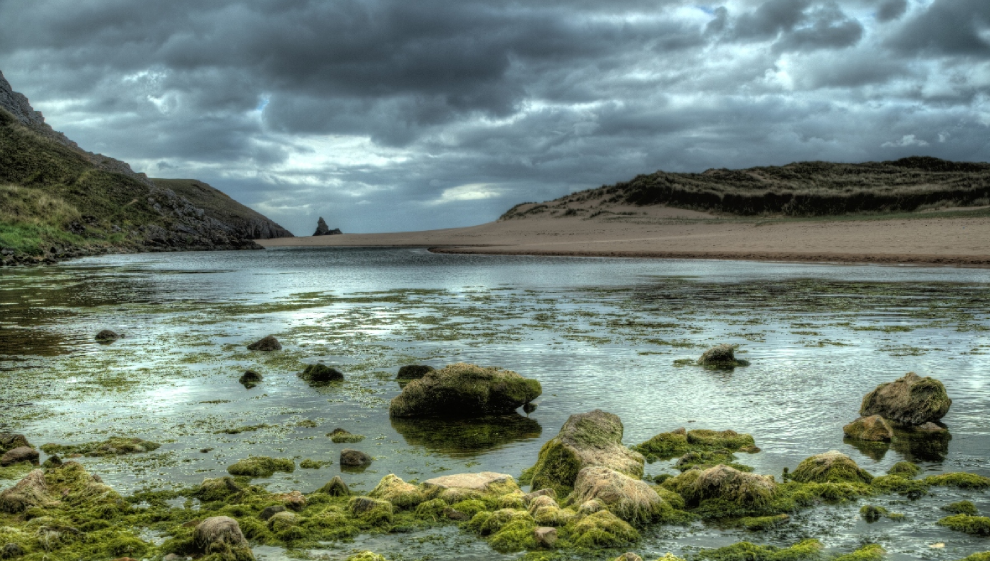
[728, 484]
[464, 390]
[830, 467]
[975, 525]
[261, 466]
[354, 458]
[721, 356]
[463, 486]
[269, 343]
[602, 530]
[872, 428]
[18, 455]
[585, 440]
[910, 400]
[396, 491]
[222, 535]
[335, 488]
[371, 512]
[904, 469]
[320, 374]
[413, 371]
[667, 445]
[9, 441]
[341, 436]
[31, 491]
[633, 500]
[961, 507]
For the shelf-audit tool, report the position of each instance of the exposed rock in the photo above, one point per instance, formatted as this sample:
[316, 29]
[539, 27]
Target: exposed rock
[335, 488]
[29, 492]
[464, 390]
[221, 534]
[830, 467]
[354, 458]
[282, 520]
[723, 482]
[9, 441]
[107, 336]
[485, 482]
[873, 428]
[721, 356]
[269, 343]
[323, 230]
[414, 371]
[18, 455]
[293, 500]
[250, 379]
[630, 499]
[396, 491]
[317, 374]
[373, 511]
[545, 536]
[341, 436]
[910, 400]
[585, 440]
[270, 511]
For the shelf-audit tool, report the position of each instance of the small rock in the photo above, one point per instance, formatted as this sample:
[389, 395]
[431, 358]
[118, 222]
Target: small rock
[528, 497]
[18, 455]
[282, 520]
[219, 533]
[250, 379]
[456, 515]
[721, 356]
[354, 458]
[269, 343]
[107, 336]
[340, 436]
[9, 441]
[414, 371]
[53, 461]
[271, 511]
[336, 488]
[323, 230]
[360, 505]
[321, 374]
[872, 428]
[545, 536]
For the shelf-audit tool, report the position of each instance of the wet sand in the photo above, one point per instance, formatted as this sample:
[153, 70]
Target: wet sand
[681, 234]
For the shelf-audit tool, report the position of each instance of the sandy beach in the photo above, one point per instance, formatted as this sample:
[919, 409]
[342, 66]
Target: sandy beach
[675, 233]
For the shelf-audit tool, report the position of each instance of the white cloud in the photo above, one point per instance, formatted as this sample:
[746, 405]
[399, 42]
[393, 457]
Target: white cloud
[906, 140]
[469, 192]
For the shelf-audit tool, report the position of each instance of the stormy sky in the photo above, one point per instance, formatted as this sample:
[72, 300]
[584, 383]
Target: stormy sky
[389, 115]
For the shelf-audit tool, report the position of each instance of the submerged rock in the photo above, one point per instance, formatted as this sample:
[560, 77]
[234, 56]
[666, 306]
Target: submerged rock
[873, 428]
[585, 440]
[830, 467]
[354, 458]
[414, 372]
[341, 436]
[910, 400]
[250, 379]
[269, 343]
[320, 373]
[107, 336]
[18, 455]
[222, 535]
[721, 356]
[630, 499]
[467, 434]
[31, 491]
[464, 390]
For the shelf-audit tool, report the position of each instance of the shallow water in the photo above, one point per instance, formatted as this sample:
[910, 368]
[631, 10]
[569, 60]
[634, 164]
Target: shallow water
[597, 333]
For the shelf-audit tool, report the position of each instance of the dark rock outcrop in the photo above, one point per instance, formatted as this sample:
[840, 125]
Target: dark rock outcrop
[354, 458]
[268, 343]
[323, 230]
[319, 374]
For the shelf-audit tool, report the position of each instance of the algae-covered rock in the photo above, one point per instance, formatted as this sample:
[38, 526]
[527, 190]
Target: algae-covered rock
[335, 488]
[113, 446]
[31, 491]
[633, 500]
[107, 336]
[373, 512]
[18, 455]
[721, 356]
[269, 343]
[830, 467]
[602, 530]
[975, 525]
[261, 466]
[961, 507]
[960, 480]
[872, 513]
[746, 551]
[319, 374]
[414, 371]
[341, 436]
[9, 441]
[628, 556]
[270, 511]
[466, 486]
[732, 485]
[910, 400]
[585, 440]
[667, 445]
[464, 390]
[396, 491]
[221, 535]
[873, 428]
[763, 523]
[354, 458]
[545, 536]
[869, 552]
[281, 521]
[250, 379]
[217, 489]
[904, 469]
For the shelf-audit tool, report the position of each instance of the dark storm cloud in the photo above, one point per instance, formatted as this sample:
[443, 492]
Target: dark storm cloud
[402, 115]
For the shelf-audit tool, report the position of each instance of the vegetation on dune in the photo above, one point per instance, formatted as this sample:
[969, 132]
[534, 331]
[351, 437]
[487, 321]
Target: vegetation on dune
[798, 189]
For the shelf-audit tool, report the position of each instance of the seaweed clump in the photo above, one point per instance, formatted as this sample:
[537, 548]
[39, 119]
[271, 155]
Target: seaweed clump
[261, 466]
[746, 551]
[113, 446]
[830, 467]
[721, 356]
[975, 525]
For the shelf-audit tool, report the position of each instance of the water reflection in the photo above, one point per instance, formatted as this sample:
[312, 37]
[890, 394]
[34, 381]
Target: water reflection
[871, 449]
[922, 446]
[464, 437]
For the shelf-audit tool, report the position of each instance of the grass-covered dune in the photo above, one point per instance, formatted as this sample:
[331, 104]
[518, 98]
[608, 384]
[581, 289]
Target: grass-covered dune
[59, 201]
[798, 189]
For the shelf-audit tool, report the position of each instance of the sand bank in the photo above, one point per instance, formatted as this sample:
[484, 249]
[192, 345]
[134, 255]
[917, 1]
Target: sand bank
[673, 233]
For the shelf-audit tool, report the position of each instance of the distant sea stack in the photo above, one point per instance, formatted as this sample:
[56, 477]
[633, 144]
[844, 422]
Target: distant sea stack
[323, 230]
[64, 202]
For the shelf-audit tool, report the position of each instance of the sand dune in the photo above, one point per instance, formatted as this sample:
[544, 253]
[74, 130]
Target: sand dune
[676, 233]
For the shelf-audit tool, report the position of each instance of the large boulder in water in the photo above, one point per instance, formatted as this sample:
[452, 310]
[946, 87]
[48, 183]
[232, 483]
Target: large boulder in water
[586, 439]
[464, 390]
[728, 484]
[909, 401]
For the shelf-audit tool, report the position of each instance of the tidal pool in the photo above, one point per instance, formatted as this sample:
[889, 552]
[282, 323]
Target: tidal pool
[597, 333]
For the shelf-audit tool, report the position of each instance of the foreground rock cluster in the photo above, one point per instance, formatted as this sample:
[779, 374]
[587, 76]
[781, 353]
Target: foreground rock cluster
[905, 408]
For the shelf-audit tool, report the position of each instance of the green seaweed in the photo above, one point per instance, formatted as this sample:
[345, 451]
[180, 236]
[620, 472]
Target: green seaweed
[261, 466]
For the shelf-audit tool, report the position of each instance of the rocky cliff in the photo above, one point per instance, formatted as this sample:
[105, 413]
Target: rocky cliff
[58, 200]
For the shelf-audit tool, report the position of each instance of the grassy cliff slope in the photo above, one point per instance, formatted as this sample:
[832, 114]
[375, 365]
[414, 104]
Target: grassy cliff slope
[798, 189]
